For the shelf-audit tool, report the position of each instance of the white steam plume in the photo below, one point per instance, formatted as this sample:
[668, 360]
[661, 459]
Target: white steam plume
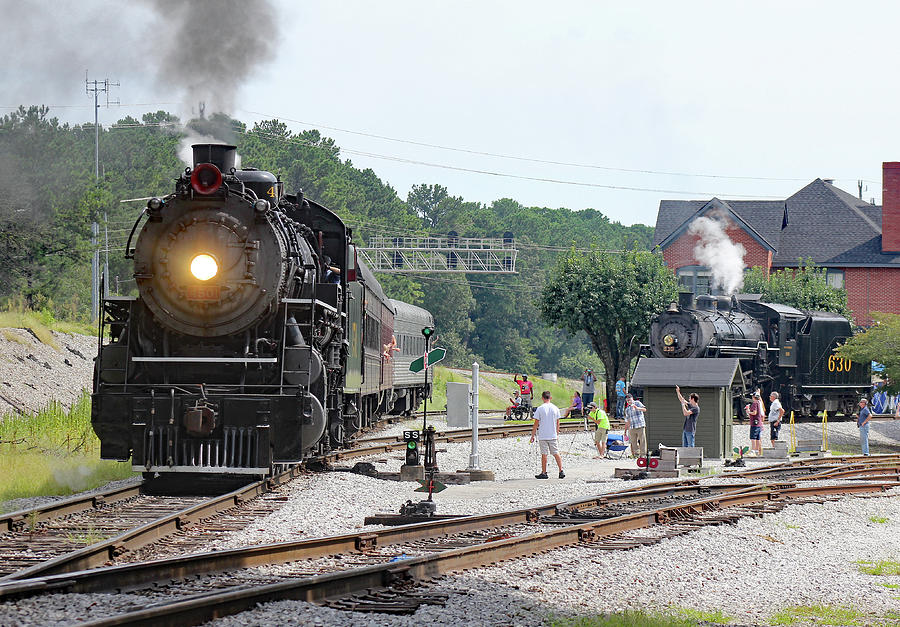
[716, 251]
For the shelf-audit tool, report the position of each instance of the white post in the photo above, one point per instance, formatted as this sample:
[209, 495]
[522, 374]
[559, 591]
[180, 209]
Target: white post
[473, 458]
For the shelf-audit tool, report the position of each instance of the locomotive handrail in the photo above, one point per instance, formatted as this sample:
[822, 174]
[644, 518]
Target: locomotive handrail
[209, 360]
[129, 252]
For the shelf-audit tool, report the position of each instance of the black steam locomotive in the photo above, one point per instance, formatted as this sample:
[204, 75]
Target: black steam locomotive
[257, 337]
[780, 349]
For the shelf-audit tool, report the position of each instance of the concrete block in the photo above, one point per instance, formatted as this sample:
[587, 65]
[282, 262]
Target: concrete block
[478, 475]
[412, 473]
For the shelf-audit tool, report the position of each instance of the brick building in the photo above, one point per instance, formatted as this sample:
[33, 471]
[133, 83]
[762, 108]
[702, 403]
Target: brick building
[858, 243]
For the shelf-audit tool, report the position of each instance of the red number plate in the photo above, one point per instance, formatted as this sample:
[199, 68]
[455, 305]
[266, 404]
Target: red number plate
[203, 292]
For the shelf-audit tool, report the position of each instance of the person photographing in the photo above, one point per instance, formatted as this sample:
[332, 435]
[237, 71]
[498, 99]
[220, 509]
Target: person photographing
[691, 410]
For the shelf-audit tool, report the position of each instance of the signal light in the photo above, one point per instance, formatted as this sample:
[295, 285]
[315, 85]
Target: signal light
[428, 332]
[206, 179]
[412, 447]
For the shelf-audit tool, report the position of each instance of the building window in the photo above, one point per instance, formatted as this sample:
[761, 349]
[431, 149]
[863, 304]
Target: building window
[834, 278]
[695, 279]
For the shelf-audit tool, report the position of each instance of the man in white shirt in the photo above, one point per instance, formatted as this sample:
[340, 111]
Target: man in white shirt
[546, 427]
[776, 411]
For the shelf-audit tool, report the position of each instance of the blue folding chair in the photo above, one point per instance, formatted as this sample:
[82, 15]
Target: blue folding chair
[616, 446]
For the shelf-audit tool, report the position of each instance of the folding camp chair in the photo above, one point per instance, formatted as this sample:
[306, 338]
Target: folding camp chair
[616, 447]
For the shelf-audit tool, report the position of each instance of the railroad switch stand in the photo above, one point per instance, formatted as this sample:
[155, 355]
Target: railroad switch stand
[427, 507]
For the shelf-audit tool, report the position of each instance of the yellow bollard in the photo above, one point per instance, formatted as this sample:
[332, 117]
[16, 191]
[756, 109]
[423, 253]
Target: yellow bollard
[825, 430]
[793, 435]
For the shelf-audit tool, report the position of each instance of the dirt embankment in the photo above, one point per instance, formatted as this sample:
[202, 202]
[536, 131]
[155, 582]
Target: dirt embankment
[33, 373]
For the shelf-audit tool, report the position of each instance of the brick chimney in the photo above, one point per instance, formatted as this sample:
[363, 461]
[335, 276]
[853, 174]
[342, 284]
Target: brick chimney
[890, 207]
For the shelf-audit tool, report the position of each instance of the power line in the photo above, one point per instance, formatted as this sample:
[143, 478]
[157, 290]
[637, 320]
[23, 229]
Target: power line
[395, 159]
[529, 159]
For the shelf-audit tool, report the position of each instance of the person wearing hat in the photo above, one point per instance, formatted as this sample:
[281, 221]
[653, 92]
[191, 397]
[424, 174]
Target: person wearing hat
[757, 415]
[862, 421]
[602, 420]
[637, 425]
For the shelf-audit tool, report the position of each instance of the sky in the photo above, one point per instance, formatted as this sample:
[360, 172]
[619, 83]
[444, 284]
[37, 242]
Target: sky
[612, 106]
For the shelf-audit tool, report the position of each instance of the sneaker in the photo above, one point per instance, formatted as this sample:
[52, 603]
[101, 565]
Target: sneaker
[543, 475]
[562, 475]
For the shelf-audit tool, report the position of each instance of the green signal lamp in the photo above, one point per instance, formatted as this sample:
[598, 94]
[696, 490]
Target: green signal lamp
[428, 332]
[412, 453]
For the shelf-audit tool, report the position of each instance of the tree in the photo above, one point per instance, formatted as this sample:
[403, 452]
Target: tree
[803, 288]
[881, 343]
[612, 298]
[425, 200]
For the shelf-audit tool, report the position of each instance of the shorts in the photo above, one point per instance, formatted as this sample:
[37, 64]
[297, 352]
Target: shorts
[549, 447]
[754, 432]
[773, 430]
[600, 436]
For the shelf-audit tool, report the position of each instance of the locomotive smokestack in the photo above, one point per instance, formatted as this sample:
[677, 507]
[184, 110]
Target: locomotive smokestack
[686, 300]
[220, 155]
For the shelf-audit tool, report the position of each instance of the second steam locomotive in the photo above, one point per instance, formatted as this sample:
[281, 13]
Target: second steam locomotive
[257, 337]
[780, 348]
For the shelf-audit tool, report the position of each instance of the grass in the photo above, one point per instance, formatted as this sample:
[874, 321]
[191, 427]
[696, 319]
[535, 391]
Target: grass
[86, 536]
[488, 398]
[9, 336]
[892, 586]
[53, 452]
[627, 618]
[881, 567]
[878, 519]
[715, 618]
[41, 323]
[820, 615]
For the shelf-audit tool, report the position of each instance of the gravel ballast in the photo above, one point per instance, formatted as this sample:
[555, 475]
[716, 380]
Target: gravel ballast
[804, 555]
[32, 374]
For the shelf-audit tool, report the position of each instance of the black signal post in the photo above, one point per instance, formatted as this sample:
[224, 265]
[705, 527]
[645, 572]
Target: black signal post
[427, 332]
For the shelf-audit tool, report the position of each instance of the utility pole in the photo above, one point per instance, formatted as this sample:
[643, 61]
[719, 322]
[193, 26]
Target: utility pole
[96, 87]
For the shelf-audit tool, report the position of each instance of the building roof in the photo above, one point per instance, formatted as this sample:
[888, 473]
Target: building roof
[693, 372]
[825, 224]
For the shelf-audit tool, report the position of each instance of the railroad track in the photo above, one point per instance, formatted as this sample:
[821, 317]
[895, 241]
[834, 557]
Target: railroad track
[359, 571]
[87, 532]
[91, 530]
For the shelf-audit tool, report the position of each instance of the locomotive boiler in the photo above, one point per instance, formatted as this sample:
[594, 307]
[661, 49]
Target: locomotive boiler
[256, 336]
[780, 348]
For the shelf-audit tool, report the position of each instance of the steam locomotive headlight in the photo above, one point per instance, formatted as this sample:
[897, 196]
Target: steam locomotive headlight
[261, 205]
[669, 340]
[204, 267]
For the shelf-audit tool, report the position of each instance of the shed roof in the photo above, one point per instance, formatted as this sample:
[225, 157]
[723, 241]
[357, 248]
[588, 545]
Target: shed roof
[693, 372]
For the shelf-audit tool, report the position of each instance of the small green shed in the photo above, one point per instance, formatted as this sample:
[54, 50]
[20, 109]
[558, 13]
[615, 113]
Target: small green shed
[712, 379]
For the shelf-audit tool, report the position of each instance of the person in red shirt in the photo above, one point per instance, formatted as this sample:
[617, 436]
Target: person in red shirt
[525, 391]
[757, 414]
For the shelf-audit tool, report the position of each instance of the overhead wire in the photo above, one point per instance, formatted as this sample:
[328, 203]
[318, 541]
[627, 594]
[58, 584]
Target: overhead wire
[525, 159]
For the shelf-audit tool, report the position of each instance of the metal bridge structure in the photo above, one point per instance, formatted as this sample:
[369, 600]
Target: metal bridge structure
[421, 254]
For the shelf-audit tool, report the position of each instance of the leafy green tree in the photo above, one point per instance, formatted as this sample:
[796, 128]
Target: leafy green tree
[425, 200]
[612, 298]
[881, 343]
[804, 288]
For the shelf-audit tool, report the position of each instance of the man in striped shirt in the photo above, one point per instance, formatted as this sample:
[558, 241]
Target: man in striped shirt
[637, 426]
